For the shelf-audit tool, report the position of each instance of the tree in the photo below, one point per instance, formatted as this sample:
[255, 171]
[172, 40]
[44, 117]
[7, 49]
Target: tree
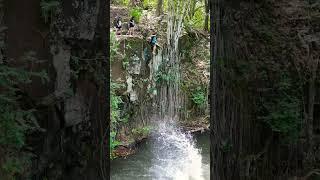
[206, 20]
[192, 8]
[159, 7]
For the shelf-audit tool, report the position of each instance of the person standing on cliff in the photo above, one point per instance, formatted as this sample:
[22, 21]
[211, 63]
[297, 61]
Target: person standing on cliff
[118, 25]
[131, 25]
[153, 42]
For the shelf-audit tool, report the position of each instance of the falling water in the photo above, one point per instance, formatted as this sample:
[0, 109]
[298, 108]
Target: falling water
[176, 157]
[169, 100]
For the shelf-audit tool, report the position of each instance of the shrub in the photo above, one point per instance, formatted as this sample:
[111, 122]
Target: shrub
[136, 13]
[141, 132]
[283, 115]
[113, 143]
[198, 97]
[147, 4]
[115, 116]
[125, 2]
[114, 45]
[197, 20]
[15, 123]
[281, 110]
[164, 76]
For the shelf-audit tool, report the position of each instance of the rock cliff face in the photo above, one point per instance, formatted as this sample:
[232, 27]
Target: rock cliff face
[266, 89]
[131, 70]
[143, 77]
[71, 46]
[140, 74]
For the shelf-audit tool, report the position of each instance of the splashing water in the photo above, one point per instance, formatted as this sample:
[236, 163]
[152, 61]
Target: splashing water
[153, 161]
[176, 157]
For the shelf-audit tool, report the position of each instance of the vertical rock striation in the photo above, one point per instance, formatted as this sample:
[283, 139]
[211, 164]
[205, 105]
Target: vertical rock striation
[72, 107]
[265, 64]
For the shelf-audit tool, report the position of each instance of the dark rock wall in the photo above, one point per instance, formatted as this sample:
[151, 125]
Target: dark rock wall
[72, 107]
[262, 36]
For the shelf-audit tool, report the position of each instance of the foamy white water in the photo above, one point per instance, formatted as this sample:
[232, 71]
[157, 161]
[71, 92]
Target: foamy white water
[176, 156]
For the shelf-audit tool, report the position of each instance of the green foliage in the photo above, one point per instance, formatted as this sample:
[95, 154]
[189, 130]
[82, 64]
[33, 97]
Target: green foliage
[128, 46]
[125, 62]
[115, 109]
[136, 13]
[94, 66]
[15, 165]
[121, 2]
[283, 116]
[12, 133]
[48, 9]
[114, 45]
[165, 5]
[141, 132]
[115, 100]
[152, 90]
[162, 77]
[10, 77]
[115, 103]
[197, 20]
[113, 143]
[199, 97]
[226, 146]
[149, 4]
[15, 122]
[115, 116]
[282, 111]
[125, 119]
[165, 76]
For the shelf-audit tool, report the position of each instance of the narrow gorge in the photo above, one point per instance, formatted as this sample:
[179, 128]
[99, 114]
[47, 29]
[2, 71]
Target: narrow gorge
[160, 101]
[228, 89]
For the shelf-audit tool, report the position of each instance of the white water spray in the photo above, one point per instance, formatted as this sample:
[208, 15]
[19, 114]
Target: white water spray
[176, 157]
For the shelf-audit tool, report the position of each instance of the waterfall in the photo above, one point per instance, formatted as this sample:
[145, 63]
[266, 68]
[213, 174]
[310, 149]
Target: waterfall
[154, 67]
[176, 157]
[169, 100]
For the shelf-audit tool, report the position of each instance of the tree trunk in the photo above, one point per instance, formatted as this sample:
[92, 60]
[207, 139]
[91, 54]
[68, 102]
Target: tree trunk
[159, 7]
[311, 103]
[206, 20]
[311, 100]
